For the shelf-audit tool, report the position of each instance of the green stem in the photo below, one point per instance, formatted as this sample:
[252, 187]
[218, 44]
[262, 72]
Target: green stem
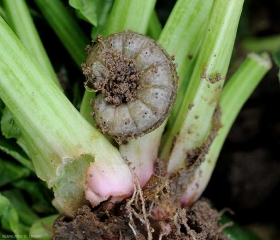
[19, 19]
[276, 57]
[3, 13]
[105, 8]
[236, 92]
[73, 38]
[130, 15]
[270, 44]
[60, 142]
[193, 122]
[154, 28]
[13, 150]
[182, 36]
[183, 32]
[66, 28]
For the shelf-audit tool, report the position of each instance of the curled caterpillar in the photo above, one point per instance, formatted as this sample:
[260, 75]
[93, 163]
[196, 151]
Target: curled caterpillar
[135, 81]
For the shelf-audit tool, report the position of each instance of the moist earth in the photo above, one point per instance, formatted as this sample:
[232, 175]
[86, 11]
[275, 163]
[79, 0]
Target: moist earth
[153, 212]
[197, 222]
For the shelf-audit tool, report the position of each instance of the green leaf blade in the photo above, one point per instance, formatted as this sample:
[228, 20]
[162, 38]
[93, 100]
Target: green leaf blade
[11, 148]
[26, 214]
[11, 172]
[87, 9]
[43, 227]
[276, 57]
[4, 203]
[8, 127]
[20, 20]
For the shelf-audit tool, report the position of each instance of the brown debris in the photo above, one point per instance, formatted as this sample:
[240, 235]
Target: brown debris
[155, 185]
[160, 167]
[88, 49]
[203, 220]
[121, 84]
[190, 106]
[88, 225]
[203, 74]
[196, 156]
[140, 219]
[215, 79]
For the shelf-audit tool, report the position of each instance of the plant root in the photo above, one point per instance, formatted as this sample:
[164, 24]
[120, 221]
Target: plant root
[151, 213]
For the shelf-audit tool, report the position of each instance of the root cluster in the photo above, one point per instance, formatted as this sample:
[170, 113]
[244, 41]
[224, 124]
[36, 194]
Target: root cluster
[151, 213]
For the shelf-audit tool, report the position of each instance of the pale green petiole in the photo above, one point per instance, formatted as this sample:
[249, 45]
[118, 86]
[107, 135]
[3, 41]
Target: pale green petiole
[2, 13]
[66, 28]
[182, 36]
[61, 143]
[129, 15]
[20, 21]
[154, 28]
[270, 44]
[72, 37]
[193, 122]
[234, 95]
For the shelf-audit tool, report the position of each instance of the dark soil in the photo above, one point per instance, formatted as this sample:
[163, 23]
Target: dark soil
[197, 222]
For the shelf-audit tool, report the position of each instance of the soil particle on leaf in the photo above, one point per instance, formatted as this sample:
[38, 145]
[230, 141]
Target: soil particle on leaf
[216, 78]
[203, 74]
[190, 56]
[190, 106]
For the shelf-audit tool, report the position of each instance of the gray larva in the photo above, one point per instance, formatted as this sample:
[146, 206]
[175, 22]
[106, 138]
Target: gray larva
[135, 81]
